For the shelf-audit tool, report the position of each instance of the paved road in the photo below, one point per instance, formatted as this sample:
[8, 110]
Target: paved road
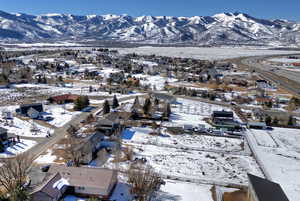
[288, 80]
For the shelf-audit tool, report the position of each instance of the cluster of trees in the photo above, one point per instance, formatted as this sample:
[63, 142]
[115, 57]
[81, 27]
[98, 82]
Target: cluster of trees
[81, 103]
[275, 121]
[106, 106]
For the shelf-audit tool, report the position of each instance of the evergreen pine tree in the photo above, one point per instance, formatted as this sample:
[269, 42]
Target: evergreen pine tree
[106, 107]
[275, 121]
[167, 112]
[268, 120]
[147, 106]
[78, 105]
[291, 121]
[115, 102]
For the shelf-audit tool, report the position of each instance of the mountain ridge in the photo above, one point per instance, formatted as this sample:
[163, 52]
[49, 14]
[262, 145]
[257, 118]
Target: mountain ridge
[220, 29]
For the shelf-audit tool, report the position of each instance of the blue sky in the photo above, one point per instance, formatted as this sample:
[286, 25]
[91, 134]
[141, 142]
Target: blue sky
[271, 9]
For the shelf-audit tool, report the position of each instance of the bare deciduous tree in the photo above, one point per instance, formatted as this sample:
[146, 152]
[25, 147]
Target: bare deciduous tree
[13, 172]
[144, 181]
[73, 151]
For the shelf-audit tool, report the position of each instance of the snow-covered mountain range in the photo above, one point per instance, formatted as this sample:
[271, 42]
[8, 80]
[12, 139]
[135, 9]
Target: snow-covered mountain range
[220, 29]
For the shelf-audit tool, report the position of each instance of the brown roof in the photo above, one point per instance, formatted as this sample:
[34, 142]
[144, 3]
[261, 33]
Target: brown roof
[47, 187]
[65, 97]
[87, 177]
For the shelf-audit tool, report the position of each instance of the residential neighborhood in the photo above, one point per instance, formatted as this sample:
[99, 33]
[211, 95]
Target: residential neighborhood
[96, 124]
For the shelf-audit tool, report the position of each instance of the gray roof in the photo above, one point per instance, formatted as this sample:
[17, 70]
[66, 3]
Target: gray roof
[266, 190]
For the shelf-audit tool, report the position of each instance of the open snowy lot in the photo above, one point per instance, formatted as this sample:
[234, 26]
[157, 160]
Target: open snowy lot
[188, 141]
[60, 114]
[282, 164]
[202, 52]
[181, 191]
[18, 148]
[196, 166]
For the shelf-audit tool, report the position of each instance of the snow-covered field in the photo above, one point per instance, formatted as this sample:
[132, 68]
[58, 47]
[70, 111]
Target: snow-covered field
[210, 167]
[189, 141]
[18, 148]
[282, 164]
[202, 52]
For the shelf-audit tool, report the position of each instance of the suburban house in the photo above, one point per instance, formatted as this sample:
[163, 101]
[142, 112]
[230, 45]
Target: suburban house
[81, 181]
[31, 110]
[62, 99]
[106, 126]
[89, 146]
[262, 84]
[222, 116]
[264, 190]
[224, 120]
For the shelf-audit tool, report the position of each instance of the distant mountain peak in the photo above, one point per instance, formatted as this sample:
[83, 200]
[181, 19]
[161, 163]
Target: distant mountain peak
[221, 29]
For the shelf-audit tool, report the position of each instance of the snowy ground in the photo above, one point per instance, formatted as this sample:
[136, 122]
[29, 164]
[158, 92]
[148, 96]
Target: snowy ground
[60, 114]
[282, 164]
[18, 148]
[47, 158]
[202, 52]
[198, 165]
[196, 142]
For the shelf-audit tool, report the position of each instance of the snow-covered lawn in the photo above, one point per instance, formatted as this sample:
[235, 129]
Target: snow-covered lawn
[47, 158]
[281, 164]
[27, 128]
[210, 143]
[181, 191]
[60, 114]
[18, 148]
